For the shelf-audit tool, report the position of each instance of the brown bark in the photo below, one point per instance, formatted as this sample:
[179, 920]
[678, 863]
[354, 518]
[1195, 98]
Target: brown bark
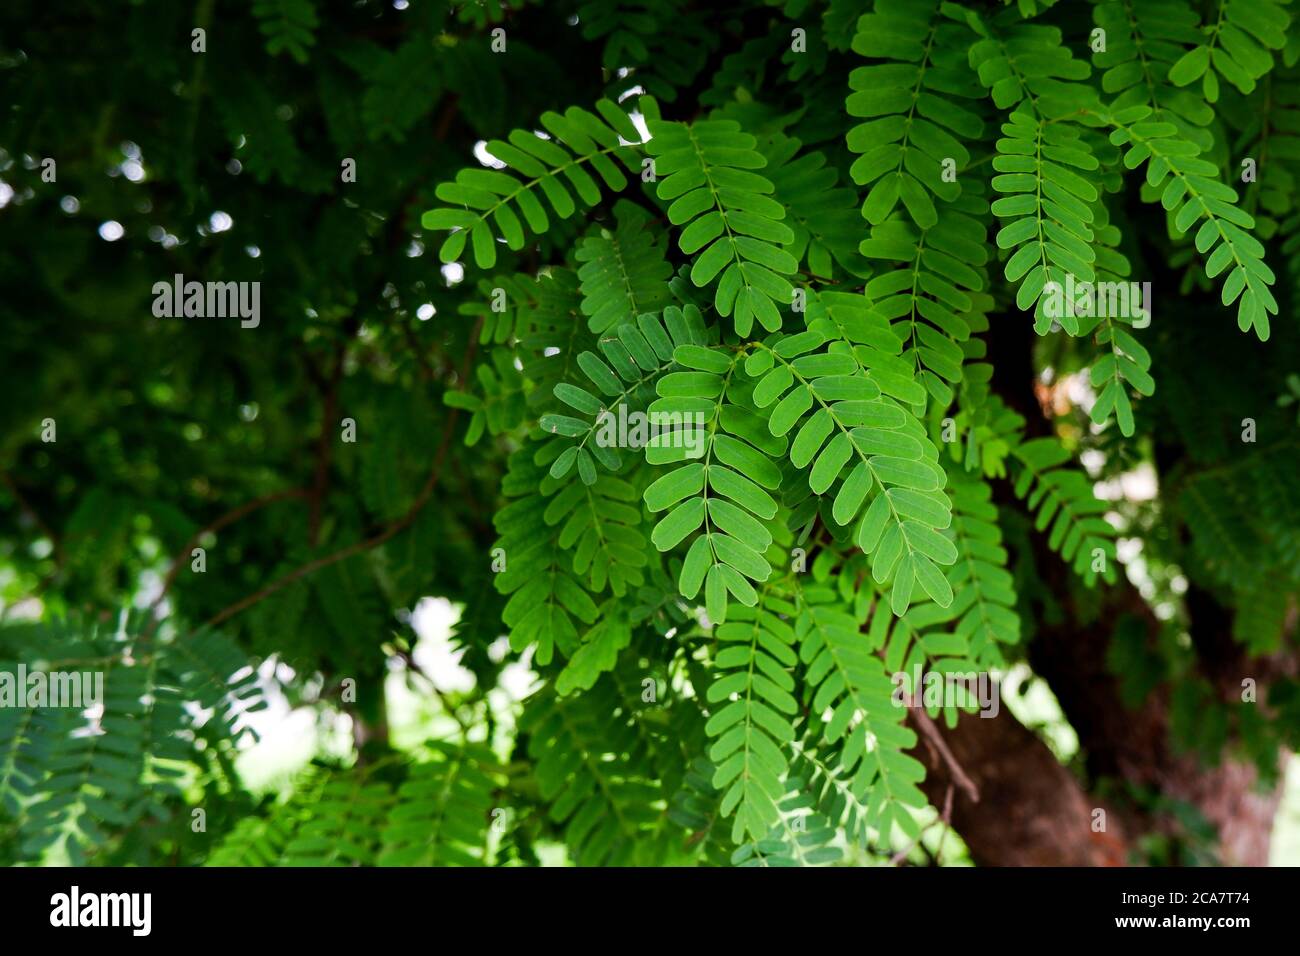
[1135, 746]
[1031, 810]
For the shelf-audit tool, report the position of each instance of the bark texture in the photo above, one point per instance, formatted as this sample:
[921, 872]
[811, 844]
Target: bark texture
[1031, 810]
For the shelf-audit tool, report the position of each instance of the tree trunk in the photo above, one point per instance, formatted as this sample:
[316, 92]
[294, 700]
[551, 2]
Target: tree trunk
[1031, 810]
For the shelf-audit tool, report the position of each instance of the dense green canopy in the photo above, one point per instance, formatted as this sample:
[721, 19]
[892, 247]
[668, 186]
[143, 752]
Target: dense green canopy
[960, 339]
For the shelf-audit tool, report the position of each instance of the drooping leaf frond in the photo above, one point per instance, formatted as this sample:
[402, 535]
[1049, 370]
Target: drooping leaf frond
[488, 204]
[725, 213]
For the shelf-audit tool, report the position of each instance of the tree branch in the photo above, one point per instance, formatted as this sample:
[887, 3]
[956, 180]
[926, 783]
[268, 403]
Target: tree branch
[355, 548]
[931, 733]
[228, 518]
[324, 447]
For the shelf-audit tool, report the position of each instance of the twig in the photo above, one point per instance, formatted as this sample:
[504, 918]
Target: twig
[931, 734]
[947, 819]
[415, 668]
[324, 448]
[228, 518]
[355, 548]
[943, 820]
[397, 526]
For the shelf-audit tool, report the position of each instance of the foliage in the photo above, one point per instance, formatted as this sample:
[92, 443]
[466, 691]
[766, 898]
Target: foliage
[828, 274]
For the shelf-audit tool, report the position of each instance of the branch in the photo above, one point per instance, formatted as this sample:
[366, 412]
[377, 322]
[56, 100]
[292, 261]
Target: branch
[415, 668]
[944, 820]
[931, 734]
[228, 518]
[324, 446]
[397, 526]
[356, 547]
